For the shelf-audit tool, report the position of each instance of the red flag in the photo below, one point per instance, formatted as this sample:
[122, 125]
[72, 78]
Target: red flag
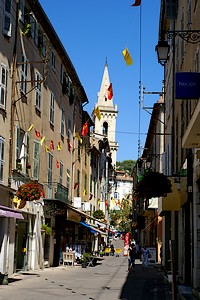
[57, 164]
[110, 92]
[85, 129]
[37, 133]
[69, 144]
[75, 185]
[51, 145]
[137, 3]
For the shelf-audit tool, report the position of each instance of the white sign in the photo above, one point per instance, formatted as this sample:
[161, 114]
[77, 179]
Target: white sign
[77, 202]
[152, 259]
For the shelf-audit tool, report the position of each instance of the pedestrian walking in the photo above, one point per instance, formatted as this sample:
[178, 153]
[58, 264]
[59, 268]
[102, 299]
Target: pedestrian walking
[145, 257]
[131, 257]
[138, 250]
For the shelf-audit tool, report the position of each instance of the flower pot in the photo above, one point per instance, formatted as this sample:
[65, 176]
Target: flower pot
[84, 265]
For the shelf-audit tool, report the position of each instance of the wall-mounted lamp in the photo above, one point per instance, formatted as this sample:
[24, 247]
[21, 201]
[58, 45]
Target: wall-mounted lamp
[162, 49]
[148, 163]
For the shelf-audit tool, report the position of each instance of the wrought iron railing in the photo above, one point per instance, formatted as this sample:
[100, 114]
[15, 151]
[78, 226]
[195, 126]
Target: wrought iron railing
[56, 191]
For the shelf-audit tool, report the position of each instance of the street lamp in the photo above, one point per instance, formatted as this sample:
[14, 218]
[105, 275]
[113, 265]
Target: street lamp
[162, 50]
[148, 163]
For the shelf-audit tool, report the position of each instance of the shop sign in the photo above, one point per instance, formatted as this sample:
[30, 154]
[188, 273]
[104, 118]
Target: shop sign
[187, 85]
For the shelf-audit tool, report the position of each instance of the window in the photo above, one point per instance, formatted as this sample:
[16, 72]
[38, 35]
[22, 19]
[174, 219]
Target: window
[23, 75]
[79, 150]
[50, 168]
[34, 28]
[91, 183]
[95, 183]
[69, 125]
[68, 179]
[62, 73]
[78, 181]
[85, 184]
[42, 42]
[1, 158]
[53, 60]
[62, 122]
[21, 10]
[7, 18]
[38, 91]
[189, 15]
[52, 100]
[21, 149]
[36, 155]
[61, 173]
[49, 175]
[3, 83]
[197, 61]
[105, 128]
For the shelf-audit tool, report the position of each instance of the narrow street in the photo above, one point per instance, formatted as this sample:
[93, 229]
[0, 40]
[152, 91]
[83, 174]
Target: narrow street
[109, 279]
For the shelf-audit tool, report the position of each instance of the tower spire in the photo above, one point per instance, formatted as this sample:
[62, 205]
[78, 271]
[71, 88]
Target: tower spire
[107, 124]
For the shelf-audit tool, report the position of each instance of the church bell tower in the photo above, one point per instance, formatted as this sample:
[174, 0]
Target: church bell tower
[106, 126]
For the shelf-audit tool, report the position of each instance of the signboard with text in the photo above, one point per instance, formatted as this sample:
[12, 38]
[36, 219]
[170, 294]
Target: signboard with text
[187, 85]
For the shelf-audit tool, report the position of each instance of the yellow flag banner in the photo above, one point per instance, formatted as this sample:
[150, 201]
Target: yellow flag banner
[97, 113]
[42, 141]
[30, 128]
[68, 175]
[78, 137]
[47, 149]
[127, 57]
[59, 146]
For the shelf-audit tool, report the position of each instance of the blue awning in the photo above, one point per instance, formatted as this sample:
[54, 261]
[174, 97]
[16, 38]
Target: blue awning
[93, 229]
[88, 226]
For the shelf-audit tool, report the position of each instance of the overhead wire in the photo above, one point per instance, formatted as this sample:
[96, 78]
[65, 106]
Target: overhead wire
[140, 81]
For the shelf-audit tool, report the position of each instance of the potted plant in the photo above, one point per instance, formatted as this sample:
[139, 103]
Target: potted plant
[85, 259]
[101, 253]
[45, 229]
[153, 184]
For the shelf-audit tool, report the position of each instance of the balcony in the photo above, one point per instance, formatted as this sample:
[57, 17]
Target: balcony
[56, 191]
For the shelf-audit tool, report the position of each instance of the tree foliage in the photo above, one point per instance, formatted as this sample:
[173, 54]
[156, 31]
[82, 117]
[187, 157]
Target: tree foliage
[126, 165]
[121, 219]
[98, 214]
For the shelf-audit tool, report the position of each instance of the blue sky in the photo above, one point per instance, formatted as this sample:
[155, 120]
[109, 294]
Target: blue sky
[92, 31]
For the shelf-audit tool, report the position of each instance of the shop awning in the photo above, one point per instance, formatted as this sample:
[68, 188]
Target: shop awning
[93, 229]
[10, 213]
[84, 214]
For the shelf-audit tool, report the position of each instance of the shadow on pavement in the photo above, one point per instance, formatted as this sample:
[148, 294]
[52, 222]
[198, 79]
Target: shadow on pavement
[145, 284]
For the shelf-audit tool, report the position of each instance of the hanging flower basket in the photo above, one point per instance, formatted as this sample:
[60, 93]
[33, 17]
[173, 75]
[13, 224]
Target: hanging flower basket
[30, 191]
[153, 184]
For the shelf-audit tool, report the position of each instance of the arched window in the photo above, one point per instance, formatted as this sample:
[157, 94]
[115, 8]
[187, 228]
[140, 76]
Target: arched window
[105, 128]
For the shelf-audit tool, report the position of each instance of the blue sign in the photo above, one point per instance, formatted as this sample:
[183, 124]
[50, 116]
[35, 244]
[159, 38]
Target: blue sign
[187, 85]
